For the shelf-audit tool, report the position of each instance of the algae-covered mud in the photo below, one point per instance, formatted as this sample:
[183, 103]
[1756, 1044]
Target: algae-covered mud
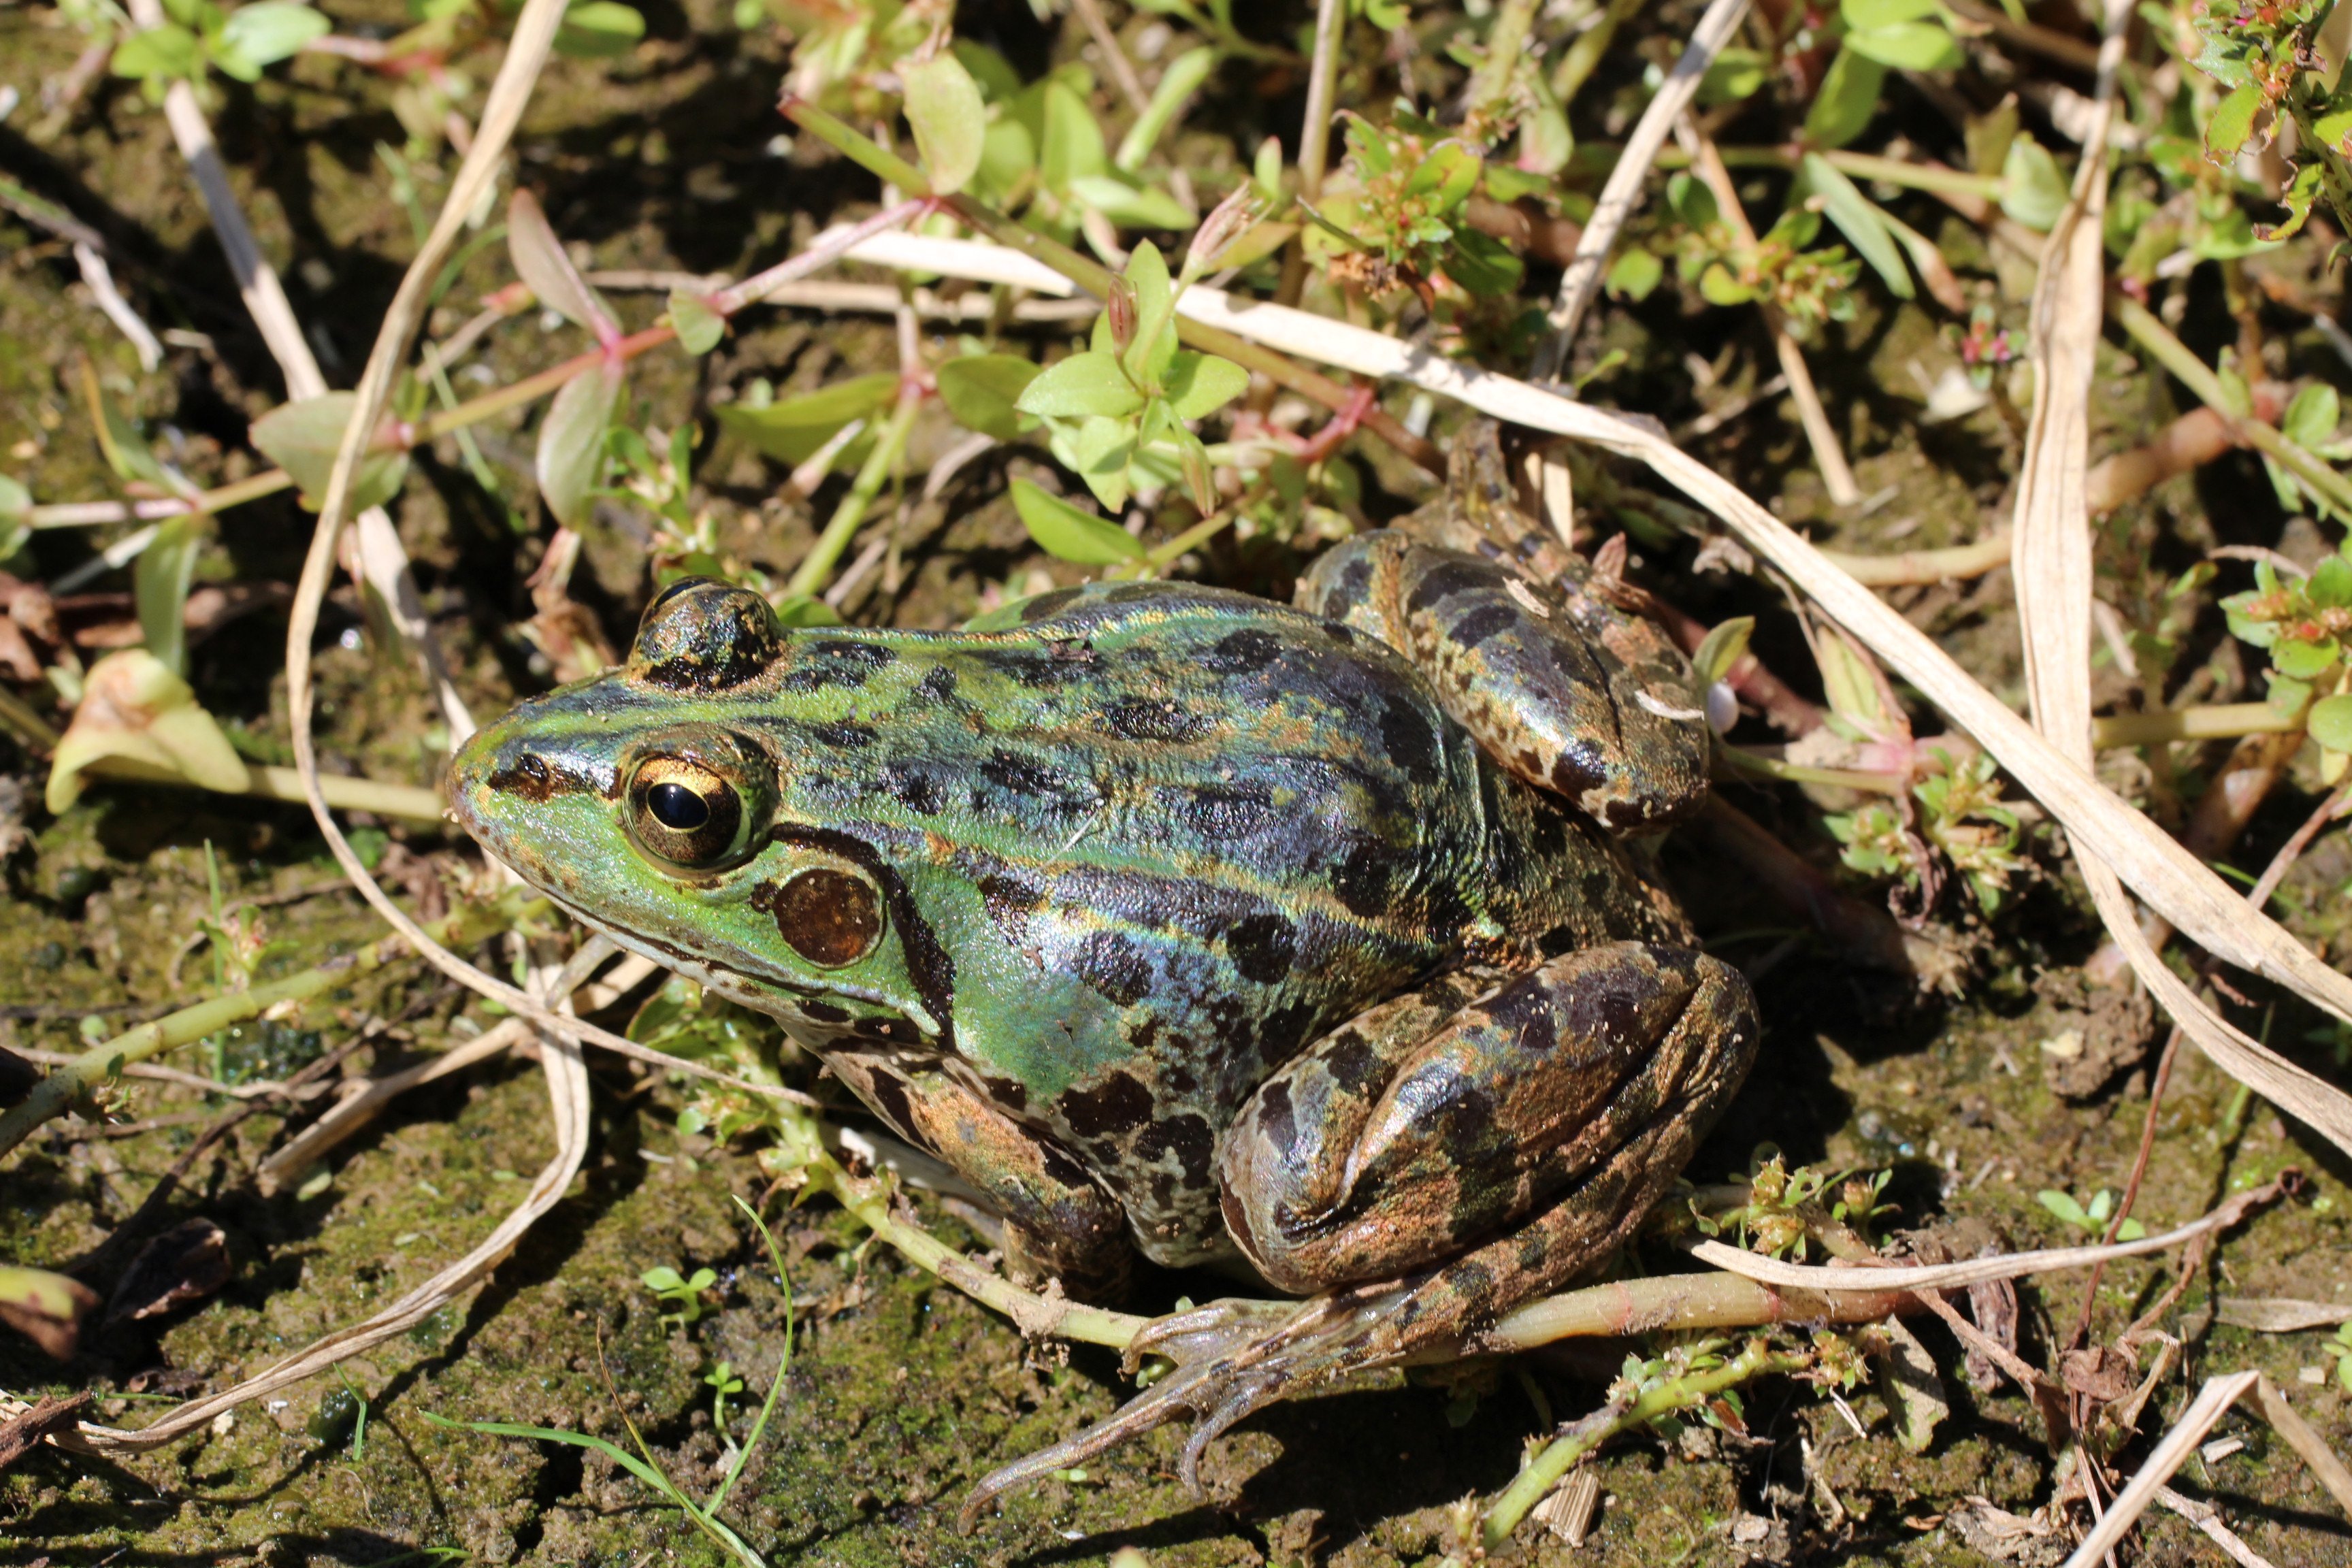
[1951, 1063]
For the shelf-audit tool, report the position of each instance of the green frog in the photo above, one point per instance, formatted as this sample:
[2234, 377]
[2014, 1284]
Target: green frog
[1311, 941]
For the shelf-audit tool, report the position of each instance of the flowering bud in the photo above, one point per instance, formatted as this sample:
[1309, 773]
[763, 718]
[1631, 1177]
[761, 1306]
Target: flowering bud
[1122, 313]
[1232, 218]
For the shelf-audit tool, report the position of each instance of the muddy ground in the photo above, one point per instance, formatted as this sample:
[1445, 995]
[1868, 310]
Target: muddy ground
[900, 1391]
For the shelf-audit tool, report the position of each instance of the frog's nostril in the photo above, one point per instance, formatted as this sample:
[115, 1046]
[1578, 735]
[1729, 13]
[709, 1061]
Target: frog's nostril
[526, 775]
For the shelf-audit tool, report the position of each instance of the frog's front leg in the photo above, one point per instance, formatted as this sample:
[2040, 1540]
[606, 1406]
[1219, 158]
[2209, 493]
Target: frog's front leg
[1058, 1223]
[1434, 1163]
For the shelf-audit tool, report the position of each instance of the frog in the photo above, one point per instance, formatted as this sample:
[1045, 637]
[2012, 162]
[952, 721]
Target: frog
[1321, 942]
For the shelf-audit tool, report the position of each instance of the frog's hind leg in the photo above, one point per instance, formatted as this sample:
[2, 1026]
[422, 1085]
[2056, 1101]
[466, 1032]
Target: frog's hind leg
[1561, 688]
[1436, 1162]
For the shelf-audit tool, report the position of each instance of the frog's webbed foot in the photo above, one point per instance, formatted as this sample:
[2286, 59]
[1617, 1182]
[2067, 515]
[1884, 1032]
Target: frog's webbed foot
[1232, 1358]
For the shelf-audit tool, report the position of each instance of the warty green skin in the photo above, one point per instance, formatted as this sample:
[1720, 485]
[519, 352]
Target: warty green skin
[1136, 849]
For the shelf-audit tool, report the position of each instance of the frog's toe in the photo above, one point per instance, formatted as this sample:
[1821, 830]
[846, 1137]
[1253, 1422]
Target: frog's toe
[1232, 1358]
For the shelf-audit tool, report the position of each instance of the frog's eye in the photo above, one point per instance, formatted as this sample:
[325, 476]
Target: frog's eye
[832, 915]
[684, 813]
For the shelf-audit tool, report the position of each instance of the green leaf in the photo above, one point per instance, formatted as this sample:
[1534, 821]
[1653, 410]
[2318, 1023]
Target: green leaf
[2032, 190]
[2331, 584]
[1483, 264]
[1733, 76]
[2233, 121]
[1868, 16]
[992, 71]
[1691, 201]
[2065, 1207]
[804, 610]
[16, 516]
[1072, 145]
[571, 458]
[599, 29]
[1100, 450]
[2331, 722]
[1132, 206]
[1446, 176]
[1082, 384]
[1842, 110]
[1634, 274]
[1182, 77]
[1861, 222]
[1199, 384]
[950, 123]
[271, 31]
[983, 392]
[2311, 419]
[698, 327]
[1155, 302]
[126, 450]
[1064, 532]
[1718, 287]
[303, 437]
[160, 587]
[2300, 660]
[1909, 46]
[540, 261]
[1722, 647]
[158, 54]
[792, 430]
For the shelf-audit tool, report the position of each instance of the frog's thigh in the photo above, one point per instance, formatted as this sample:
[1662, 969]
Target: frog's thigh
[1573, 1093]
[1566, 691]
[1057, 1222]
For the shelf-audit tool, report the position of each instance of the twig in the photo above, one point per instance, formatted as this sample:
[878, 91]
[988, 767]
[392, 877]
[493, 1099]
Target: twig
[2209, 722]
[1314, 136]
[1622, 192]
[1543, 1472]
[2208, 1520]
[1919, 566]
[1974, 1270]
[94, 272]
[1122, 70]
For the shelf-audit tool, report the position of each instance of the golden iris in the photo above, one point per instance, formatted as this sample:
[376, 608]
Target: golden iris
[683, 811]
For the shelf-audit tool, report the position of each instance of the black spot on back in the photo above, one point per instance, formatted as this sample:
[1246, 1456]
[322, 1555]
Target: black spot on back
[835, 661]
[914, 785]
[1410, 738]
[1044, 604]
[1115, 967]
[1153, 718]
[1482, 624]
[1117, 1104]
[1262, 947]
[1366, 880]
[1241, 652]
[1227, 813]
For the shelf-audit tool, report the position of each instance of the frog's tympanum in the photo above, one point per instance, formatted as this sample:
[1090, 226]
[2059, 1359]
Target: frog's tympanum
[1183, 923]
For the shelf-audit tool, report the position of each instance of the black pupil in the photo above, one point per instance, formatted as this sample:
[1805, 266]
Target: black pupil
[677, 807]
